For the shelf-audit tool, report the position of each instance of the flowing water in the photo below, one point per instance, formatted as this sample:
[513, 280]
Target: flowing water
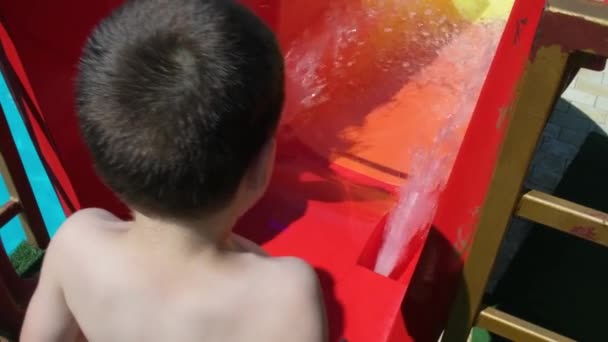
[395, 83]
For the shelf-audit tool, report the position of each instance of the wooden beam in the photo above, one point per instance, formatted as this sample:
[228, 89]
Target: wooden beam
[515, 329]
[8, 211]
[575, 25]
[565, 216]
[18, 185]
[538, 92]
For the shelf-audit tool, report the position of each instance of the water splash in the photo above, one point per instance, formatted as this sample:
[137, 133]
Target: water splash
[360, 54]
[361, 38]
[431, 168]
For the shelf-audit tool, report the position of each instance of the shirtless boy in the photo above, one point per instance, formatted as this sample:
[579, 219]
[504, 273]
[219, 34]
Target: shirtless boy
[178, 102]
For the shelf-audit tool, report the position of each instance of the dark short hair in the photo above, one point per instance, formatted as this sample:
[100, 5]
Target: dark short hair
[176, 98]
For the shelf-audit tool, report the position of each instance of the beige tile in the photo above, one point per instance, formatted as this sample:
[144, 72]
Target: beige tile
[589, 75]
[573, 94]
[591, 87]
[602, 103]
[598, 116]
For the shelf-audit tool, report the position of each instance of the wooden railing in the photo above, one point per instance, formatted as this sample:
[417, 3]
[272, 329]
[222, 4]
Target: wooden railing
[569, 29]
[15, 291]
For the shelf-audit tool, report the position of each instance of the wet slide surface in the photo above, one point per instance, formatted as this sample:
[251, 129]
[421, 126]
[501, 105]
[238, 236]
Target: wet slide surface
[380, 94]
[371, 88]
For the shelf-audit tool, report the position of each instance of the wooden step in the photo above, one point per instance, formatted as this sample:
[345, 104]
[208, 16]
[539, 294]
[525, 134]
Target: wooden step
[515, 329]
[9, 210]
[565, 216]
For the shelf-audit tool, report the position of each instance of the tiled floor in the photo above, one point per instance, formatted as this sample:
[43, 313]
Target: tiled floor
[582, 109]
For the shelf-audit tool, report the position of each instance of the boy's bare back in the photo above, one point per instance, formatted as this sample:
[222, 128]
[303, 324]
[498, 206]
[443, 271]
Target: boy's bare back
[178, 102]
[104, 278]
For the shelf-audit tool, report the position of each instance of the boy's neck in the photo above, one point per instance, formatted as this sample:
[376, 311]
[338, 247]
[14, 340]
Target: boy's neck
[209, 233]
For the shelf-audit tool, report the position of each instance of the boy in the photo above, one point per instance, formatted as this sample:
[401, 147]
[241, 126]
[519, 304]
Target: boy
[178, 102]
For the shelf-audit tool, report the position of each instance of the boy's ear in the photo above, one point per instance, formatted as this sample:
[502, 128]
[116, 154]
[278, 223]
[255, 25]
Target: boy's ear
[261, 169]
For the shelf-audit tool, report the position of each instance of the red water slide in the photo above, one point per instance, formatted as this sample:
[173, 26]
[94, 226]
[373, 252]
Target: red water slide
[363, 82]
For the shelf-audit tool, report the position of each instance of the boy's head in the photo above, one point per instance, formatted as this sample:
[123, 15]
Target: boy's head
[178, 102]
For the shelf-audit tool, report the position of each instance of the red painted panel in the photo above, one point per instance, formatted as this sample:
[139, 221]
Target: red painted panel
[339, 160]
[438, 272]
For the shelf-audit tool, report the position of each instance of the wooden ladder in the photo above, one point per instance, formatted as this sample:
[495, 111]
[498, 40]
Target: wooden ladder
[554, 58]
[15, 291]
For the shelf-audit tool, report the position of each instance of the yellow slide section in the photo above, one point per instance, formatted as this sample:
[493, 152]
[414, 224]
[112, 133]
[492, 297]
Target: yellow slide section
[412, 15]
[484, 10]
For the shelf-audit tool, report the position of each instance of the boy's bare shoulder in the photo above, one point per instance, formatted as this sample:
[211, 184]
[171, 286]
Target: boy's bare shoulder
[91, 214]
[80, 230]
[297, 295]
[294, 271]
[86, 221]
[290, 270]
[91, 217]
